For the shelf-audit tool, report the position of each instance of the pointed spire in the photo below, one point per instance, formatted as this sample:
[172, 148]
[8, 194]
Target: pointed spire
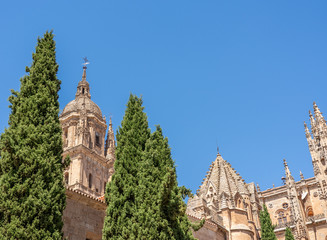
[312, 120]
[285, 163]
[307, 132]
[84, 73]
[225, 179]
[287, 170]
[317, 113]
[321, 127]
[315, 108]
[83, 87]
[301, 175]
[258, 188]
[289, 179]
[110, 125]
[110, 143]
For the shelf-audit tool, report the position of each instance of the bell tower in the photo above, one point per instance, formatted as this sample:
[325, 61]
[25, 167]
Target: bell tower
[84, 131]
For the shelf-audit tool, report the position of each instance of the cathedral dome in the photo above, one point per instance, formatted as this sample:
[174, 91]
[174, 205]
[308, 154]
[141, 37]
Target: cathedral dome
[82, 103]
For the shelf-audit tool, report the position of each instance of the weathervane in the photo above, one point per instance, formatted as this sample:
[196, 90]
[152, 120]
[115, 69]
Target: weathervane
[85, 62]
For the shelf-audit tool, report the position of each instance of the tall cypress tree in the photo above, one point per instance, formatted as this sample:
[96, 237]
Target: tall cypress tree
[121, 193]
[144, 201]
[162, 209]
[267, 229]
[288, 234]
[32, 196]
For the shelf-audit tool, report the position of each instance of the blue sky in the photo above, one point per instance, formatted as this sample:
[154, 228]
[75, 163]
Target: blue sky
[240, 74]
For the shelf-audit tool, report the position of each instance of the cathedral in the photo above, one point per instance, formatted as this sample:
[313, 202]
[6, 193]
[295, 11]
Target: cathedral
[230, 206]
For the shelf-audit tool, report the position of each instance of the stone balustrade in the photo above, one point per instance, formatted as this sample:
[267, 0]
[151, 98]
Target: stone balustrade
[315, 217]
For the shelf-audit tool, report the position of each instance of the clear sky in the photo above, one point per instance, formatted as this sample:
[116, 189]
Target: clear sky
[240, 74]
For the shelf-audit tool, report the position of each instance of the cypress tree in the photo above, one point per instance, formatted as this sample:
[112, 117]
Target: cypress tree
[162, 209]
[267, 229]
[32, 196]
[144, 201]
[121, 193]
[288, 234]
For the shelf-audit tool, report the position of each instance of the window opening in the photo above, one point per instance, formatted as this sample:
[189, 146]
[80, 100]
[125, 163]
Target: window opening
[97, 139]
[281, 218]
[90, 180]
[66, 178]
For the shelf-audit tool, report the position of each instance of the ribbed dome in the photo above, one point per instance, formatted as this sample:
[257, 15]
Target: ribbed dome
[224, 179]
[82, 103]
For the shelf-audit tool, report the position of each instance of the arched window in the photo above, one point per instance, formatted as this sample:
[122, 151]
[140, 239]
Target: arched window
[282, 217]
[309, 212]
[65, 138]
[239, 203]
[66, 178]
[90, 180]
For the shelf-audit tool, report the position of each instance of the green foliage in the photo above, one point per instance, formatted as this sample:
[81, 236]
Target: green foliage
[199, 225]
[121, 192]
[288, 234]
[162, 214]
[31, 172]
[144, 200]
[267, 229]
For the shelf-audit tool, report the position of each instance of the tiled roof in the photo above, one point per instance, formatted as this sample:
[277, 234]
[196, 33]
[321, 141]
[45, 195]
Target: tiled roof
[99, 199]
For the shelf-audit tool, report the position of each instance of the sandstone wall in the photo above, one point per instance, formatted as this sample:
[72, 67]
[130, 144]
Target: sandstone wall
[83, 217]
[209, 231]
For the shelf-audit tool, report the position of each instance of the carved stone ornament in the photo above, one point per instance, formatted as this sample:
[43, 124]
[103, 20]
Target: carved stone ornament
[285, 205]
[316, 169]
[270, 205]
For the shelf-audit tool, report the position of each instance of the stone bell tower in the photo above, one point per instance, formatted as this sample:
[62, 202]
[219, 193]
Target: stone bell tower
[84, 131]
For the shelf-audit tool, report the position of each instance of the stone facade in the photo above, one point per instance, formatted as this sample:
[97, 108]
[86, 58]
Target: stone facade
[230, 206]
[301, 205]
